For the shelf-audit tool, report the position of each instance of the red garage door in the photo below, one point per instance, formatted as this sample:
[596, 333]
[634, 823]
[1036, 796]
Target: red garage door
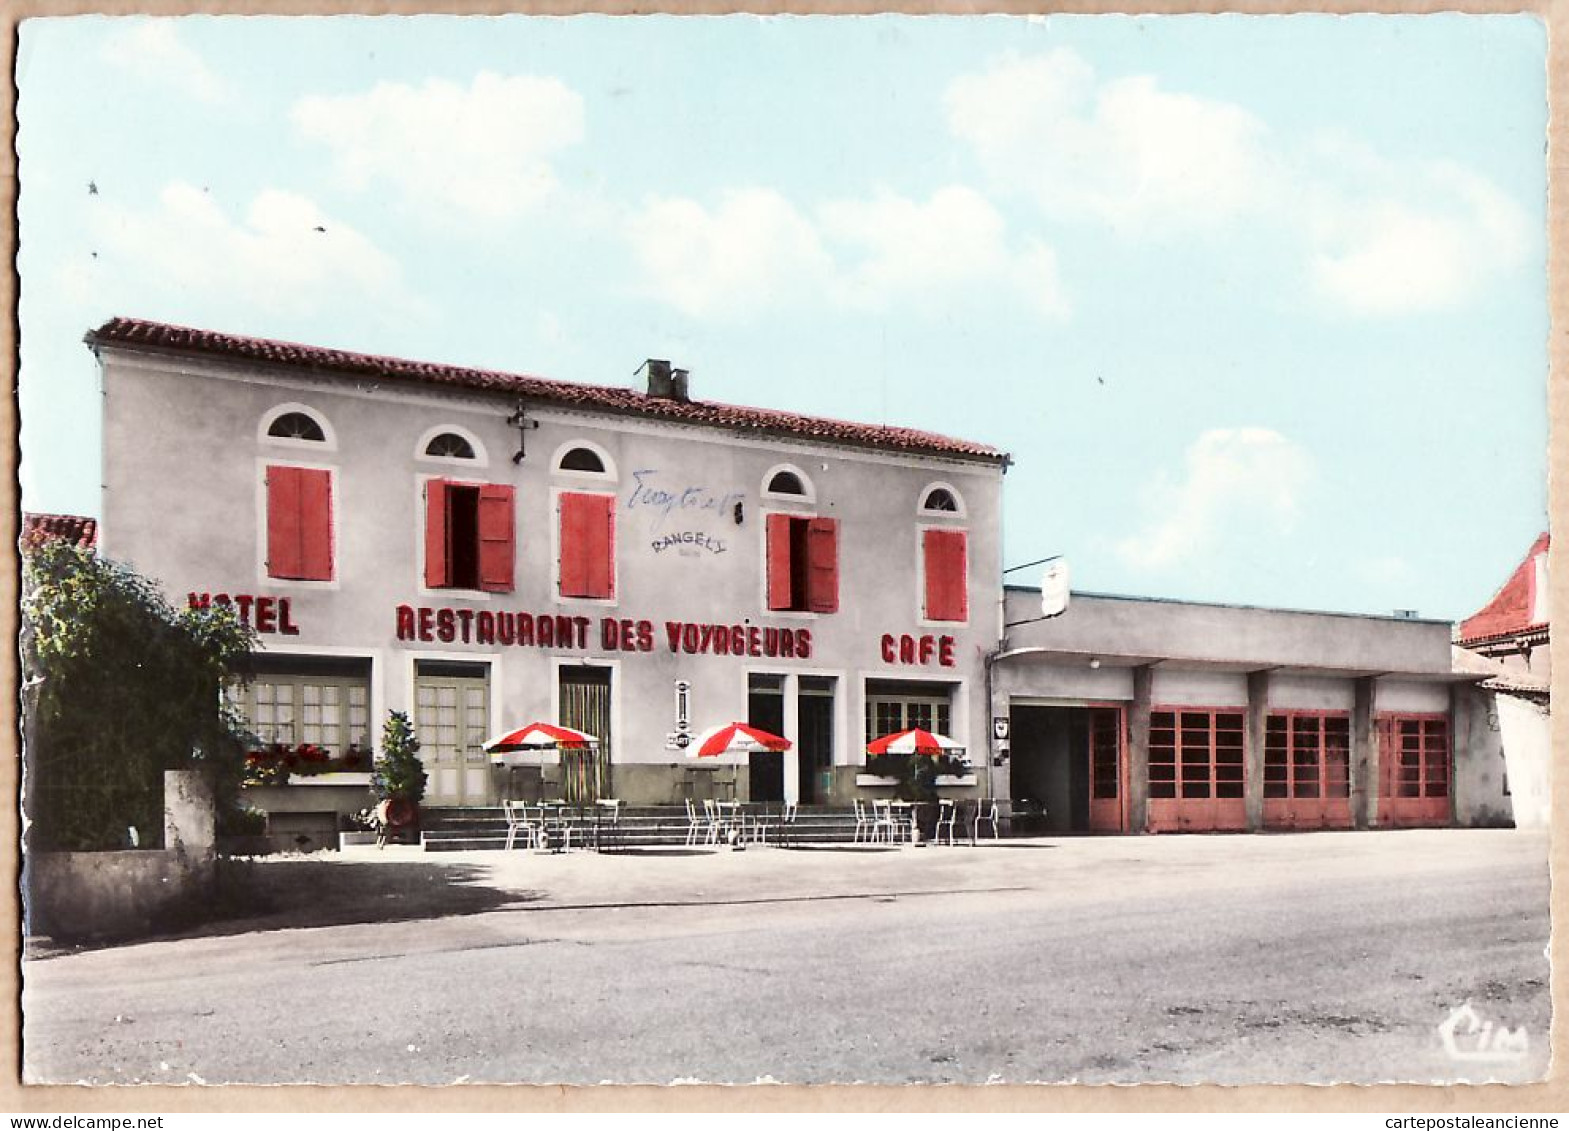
[1106, 769]
[1307, 771]
[1196, 758]
[1413, 770]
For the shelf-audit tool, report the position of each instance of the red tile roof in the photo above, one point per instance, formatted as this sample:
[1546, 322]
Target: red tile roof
[133, 332]
[81, 530]
[1513, 608]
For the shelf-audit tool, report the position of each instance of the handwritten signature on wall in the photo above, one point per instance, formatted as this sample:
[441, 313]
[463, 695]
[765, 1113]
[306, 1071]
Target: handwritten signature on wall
[691, 500]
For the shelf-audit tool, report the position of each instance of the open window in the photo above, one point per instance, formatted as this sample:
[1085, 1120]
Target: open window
[803, 563]
[469, 536]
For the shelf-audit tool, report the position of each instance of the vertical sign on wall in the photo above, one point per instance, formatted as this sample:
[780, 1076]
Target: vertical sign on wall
[683, 706]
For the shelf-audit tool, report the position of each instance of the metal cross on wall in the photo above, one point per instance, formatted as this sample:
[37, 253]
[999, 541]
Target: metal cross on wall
[523, 424]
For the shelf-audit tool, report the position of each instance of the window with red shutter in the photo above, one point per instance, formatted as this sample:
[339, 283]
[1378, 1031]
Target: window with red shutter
[470, 540]
[588, 545]
[497, 540]
[802, 563]
[946, 568]
[822, 554]
[299, 523]
[779, 559]
[438, 573]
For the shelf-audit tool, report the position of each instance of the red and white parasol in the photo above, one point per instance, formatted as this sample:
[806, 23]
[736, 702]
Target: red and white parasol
[536, 738]
[916, 741]
[734, 738]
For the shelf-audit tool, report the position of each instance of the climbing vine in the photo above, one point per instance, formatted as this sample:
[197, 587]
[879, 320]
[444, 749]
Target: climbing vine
[119, 686]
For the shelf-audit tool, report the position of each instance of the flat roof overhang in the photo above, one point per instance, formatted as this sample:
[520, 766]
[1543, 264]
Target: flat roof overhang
[1083, 659]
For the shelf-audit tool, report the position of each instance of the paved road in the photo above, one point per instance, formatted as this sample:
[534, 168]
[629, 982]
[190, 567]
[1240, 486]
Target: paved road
[1329, 957]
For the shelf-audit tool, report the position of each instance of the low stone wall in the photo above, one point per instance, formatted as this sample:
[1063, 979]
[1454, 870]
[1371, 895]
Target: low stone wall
[119, 894]
[114, 894]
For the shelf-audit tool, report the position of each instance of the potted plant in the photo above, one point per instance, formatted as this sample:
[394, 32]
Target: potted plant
[399, 779]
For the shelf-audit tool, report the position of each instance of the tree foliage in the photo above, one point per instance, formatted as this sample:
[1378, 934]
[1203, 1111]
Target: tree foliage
[119, 687]
[400, 775]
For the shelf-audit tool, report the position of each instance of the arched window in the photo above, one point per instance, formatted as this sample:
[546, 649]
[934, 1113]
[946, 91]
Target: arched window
[941, 499]
[582, 459]
[585, 459]
[786, 481]
[296, 426]
[449, 445]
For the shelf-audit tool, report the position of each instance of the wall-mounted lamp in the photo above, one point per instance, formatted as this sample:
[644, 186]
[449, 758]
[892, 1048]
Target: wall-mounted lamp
[738, 514]
[1094, 661]
[519, 420]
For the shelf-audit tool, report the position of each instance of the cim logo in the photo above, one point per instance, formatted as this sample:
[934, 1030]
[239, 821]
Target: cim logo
[1467, 1036]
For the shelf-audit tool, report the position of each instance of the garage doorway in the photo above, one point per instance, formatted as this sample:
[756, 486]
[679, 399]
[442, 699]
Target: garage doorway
[1067, 769]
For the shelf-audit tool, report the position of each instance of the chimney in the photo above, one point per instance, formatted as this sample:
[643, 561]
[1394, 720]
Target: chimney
[678, 385]
[659, 383]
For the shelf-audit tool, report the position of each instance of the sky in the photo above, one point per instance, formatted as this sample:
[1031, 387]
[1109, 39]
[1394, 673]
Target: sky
[1258, 305]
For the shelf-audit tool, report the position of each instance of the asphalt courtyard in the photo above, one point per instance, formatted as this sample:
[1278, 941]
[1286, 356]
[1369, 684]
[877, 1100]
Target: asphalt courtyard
[1331, 957]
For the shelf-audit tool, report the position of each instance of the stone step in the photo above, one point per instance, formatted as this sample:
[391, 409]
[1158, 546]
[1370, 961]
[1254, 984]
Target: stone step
[671, 839]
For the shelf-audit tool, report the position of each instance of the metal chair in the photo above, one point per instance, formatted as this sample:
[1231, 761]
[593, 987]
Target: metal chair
[985, 810]
[694, 823]
[863, 821]
[787, 824]
[519, 821]
[945, 816]
[883, 821]
[607, 819]
[711, 816]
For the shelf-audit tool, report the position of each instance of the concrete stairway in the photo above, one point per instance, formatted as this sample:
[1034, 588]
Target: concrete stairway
[458, 830]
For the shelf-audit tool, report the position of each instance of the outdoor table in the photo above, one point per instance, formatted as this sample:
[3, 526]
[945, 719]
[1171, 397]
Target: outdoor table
[904, 816]
[557, 816]
[732, 815]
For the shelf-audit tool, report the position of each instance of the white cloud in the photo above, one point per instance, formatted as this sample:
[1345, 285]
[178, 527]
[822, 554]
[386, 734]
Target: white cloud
[478, 152]
[1235, 481]
[752, 250]
[1369, 236]
[895, 248]
[756, 249]
[1126, 151]
[1412, 237]
[152, 51]
[284, 255]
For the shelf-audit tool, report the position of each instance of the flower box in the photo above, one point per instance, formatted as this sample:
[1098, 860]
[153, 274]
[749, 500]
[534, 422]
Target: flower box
[955, 779]
[342, 777]
[347, 840]
[875, 780]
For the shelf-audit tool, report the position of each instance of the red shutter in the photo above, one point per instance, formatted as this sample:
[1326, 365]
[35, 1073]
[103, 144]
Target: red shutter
[587, 545]
[283, 522]
[496, 538]
[438, 572]
[299, 523]
[822, 556]
[947, 588]
[316, 525]
[778, 528]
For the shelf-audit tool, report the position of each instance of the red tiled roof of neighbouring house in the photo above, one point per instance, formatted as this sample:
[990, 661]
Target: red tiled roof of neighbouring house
[1514, 608]
[75, 528]
[132, 333]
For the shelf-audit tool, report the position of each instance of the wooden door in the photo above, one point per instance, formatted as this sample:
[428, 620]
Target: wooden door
[451, 717]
